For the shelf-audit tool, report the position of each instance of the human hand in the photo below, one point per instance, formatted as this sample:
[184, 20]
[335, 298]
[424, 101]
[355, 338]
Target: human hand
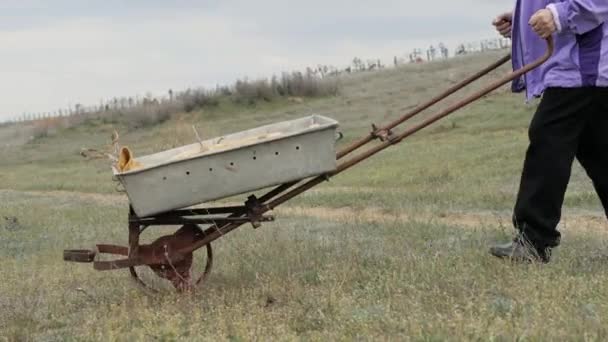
[543, 23]
[503, 24]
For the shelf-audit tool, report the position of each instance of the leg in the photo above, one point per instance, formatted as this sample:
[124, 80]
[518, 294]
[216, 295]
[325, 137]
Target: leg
[554, 135]
[593, 147]
[554, 138]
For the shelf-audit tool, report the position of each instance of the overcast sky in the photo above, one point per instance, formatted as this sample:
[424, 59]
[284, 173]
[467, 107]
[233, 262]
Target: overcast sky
[62, 52]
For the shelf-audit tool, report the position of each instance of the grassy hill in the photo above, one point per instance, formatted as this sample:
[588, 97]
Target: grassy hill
[394, 248]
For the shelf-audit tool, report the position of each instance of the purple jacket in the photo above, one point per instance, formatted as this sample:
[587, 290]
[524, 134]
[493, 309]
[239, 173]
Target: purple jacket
[581, 45]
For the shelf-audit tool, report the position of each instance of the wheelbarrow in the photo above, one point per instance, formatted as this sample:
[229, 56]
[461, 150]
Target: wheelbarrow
[294, 156]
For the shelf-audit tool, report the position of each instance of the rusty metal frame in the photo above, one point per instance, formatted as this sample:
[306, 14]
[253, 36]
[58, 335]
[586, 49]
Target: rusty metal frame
[251, 212]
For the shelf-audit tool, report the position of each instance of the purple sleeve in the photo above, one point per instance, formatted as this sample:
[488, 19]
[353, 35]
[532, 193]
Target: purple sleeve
[581, 16]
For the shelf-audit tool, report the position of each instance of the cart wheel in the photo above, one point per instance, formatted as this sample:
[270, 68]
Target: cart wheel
[180, 273]
[208, 266]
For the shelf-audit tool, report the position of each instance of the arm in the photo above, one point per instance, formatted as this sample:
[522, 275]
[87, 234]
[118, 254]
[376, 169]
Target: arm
[579, 16]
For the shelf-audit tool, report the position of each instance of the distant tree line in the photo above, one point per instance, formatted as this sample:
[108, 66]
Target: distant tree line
[439, 52]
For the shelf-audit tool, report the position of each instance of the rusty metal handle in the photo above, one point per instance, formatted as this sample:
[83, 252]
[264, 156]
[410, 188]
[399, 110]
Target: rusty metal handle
[79, 255]
[451, 109]
[422, 107]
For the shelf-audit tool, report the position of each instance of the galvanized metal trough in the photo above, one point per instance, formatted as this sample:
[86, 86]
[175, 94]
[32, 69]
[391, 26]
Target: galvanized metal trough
[232, 164]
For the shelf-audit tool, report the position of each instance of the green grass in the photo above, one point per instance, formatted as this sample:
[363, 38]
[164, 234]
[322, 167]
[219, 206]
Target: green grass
[394, 249]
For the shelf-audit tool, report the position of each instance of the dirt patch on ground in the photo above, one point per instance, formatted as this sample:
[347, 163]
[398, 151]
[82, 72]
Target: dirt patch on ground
[576, 221]
[378, 215]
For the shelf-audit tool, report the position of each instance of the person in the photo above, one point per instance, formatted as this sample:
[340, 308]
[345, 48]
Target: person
[571, 120]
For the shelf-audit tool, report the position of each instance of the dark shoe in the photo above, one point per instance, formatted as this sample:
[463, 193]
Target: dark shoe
[521, 250]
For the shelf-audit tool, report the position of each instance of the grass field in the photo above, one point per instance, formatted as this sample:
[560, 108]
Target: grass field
[394, 249]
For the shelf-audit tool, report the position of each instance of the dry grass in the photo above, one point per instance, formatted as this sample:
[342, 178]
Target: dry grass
[299, 278]
[395, 249]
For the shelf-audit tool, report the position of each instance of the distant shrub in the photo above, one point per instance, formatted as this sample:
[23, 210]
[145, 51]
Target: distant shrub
[294, 84]
[145, 116]
[307, 85]
[135, 112]
[198, 98]
[44, 127]
[248, 92]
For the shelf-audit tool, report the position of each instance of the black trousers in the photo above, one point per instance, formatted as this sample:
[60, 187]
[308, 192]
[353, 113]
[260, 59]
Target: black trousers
[569, 123]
